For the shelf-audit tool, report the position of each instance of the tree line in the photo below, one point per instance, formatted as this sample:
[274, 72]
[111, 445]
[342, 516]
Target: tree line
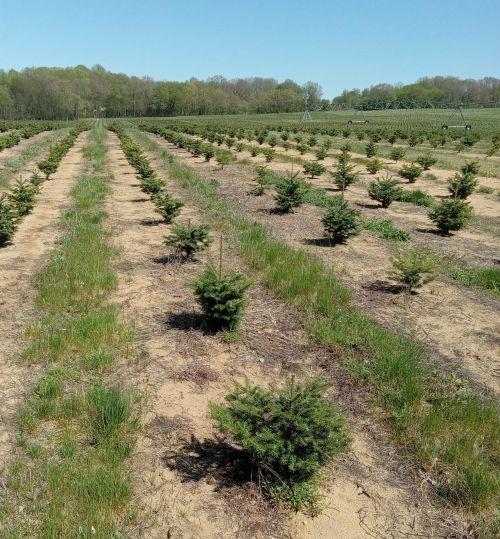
[81, 92]
[425, 91]
[76, 92]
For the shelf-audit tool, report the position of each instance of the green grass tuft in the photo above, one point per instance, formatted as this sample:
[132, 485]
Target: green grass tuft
[386, 230]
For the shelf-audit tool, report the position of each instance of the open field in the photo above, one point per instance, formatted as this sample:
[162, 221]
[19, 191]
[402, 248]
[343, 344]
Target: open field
[482, 120]
[113, 376]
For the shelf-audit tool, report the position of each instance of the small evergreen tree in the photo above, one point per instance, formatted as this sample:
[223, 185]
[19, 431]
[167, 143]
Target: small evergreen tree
[461, 186]
[301, 148]
[414, 268]
[188, 240]
[208, 151]
[289, 432]
[196, 147]
[36, 180]
[391, 139]
[384, 190]
[290, 193]
[269, 154]
[48, 167]
[341, 221]
[410, 172]
[327, 143]
[470, 167]
[272, 141]
[463, 183]
[221, 297]
[450, 214]
[413, 140]
[397, 153]
[370, 149]
[168, 207]
[22, 197]
[374, 165]
[152, 185]
[7, 221]
[313, 168]
[321, 154]
[224, 157]
[262, 181]
[434, 141]
[426, 161]
[344, 175]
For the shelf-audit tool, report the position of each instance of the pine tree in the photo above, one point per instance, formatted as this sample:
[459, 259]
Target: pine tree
[289, 432]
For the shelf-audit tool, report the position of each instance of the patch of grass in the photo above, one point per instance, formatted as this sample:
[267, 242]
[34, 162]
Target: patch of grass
[26, 420]
[318, 197]
[420, 403]
[82, 495]
[485, 278]
[68, 447]
[386, 230]
[98, 361]
[486, 190]
[79, 473]
[110, 409]
[417, 197]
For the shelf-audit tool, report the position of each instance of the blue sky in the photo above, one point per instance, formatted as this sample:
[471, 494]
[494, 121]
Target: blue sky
[339, 44]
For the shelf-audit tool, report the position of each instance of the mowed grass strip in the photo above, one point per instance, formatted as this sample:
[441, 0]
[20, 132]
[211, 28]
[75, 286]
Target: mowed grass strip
[76, 430]
[453, 433]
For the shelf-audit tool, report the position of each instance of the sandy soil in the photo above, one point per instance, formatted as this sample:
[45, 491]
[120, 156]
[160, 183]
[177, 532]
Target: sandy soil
[460, 326]
[184, 480]
[19, 262]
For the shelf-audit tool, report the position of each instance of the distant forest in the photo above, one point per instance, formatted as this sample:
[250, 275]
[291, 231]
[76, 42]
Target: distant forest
[67, 93]
[75, 92]
[425, 91]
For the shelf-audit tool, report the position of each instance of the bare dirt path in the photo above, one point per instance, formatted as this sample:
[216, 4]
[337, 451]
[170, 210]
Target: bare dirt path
[183, 479]
[19, 262]
[461, 325]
